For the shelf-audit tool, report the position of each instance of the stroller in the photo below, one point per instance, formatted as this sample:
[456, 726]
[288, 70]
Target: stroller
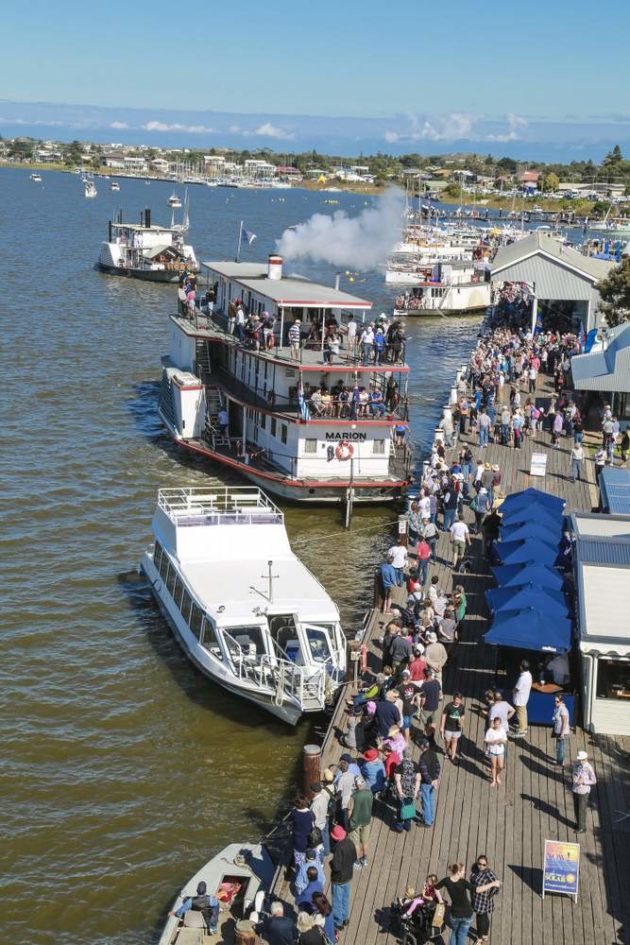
[418, 928]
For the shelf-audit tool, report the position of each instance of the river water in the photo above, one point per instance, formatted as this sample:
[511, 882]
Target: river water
[122, 768]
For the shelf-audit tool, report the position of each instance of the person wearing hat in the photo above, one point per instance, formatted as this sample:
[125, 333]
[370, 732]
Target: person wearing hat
[321, 805]
[583, 778]
[360, 811]
[435, 655]
[201, 902]
[418, 665]
[295, 339]
[341, 872]
[373, 770]
[347, 770]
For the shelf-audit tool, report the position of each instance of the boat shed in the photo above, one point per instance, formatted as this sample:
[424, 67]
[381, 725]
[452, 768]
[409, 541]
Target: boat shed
[554, 273]
[602, 571]
[607, 371]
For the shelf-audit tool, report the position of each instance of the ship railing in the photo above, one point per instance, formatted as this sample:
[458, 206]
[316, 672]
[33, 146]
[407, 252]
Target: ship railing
[218, 505]
[300, 684]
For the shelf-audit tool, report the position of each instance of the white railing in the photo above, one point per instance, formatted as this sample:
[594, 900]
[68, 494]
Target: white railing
[240, 505]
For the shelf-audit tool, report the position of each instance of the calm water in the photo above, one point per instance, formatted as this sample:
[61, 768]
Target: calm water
[122, 768]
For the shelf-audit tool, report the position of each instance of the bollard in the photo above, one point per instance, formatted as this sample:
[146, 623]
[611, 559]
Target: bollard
[439, 435]
[403, 530]
[352, 662]
[311, 768]
[453, 396]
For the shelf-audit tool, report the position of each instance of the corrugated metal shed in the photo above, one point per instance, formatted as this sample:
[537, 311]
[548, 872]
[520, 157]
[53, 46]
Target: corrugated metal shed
[602, 563]
[614, 485]
[607, 369]
[541, 244]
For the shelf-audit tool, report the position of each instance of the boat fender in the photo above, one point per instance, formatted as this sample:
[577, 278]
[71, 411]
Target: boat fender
[344, 451]
[156, 585]
[363, 663]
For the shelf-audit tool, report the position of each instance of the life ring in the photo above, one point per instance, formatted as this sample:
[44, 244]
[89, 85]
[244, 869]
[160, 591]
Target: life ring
[344, 451]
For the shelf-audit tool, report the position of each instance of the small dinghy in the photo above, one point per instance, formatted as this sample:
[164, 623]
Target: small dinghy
[236, 877]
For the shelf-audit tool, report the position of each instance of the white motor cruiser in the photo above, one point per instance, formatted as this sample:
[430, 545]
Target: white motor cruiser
[244, 608]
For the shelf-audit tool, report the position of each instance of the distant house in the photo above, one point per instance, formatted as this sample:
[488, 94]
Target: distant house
[135, 163]
[114, 160]
[530, 177]
[161, 165]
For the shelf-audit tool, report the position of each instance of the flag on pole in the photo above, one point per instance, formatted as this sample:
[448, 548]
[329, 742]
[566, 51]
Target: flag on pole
[248, 237]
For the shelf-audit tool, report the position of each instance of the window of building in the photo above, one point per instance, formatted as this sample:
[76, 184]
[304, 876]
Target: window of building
[283, 432]
[273, 426]
[378, 447]
[310, 446]
[613, 679]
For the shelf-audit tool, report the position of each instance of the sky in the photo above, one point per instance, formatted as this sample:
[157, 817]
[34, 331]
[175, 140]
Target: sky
[542, 79]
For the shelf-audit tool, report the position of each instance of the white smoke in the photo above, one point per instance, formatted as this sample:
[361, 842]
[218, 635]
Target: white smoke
[361, 242]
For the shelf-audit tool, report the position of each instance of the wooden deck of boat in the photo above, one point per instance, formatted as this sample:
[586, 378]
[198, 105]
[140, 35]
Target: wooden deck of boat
[509, 825]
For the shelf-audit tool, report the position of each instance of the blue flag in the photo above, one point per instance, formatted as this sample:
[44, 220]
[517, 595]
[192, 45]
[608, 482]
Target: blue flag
[305, 413]
[248, 237]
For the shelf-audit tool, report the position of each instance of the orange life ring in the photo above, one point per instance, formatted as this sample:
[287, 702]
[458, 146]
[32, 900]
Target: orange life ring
[344, 451]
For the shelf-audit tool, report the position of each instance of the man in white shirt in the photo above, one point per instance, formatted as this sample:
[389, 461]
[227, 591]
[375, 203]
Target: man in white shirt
[352, 335]
[500, 709]
[460, 538]
[520, 698]
[398, 556]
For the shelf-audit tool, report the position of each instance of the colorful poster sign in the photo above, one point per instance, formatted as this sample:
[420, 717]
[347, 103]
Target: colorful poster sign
[561, 868]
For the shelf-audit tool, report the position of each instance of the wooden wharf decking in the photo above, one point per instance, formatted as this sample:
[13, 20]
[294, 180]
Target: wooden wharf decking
[508, 825]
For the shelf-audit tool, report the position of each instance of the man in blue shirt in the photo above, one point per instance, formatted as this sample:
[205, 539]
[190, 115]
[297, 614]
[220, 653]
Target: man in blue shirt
[201, 902]
[388, 576]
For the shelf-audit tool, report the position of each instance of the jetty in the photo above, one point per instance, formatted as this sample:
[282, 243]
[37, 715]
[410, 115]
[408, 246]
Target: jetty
[508, 825]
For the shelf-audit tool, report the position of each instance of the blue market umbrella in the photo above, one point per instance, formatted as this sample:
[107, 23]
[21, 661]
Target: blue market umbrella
[508, 575]
[530, 629]
[547, 599]
[531, 530]
[529, 498]
[539, 514]
[520, 552]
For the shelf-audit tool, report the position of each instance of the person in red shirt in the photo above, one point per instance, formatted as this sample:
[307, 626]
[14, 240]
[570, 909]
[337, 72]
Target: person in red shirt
[417, 665]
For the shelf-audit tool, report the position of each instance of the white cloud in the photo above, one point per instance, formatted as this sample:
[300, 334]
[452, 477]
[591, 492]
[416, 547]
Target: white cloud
[176, 126]
[516, 125]
[457, 126]
[119, 125]
[268, 130]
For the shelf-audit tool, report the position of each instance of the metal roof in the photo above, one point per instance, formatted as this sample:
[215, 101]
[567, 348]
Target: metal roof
[614, 485]
[607, 369]
[292, 290]
[540, 244]
[602, 561]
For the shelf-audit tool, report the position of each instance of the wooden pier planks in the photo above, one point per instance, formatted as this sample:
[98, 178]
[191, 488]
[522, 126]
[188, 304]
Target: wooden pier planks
[534, 803]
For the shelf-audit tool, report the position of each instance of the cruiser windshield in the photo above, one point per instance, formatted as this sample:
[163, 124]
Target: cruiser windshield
[318, 644]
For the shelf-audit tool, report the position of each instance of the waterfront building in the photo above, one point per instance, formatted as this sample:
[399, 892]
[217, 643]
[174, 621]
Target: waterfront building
[605, 371]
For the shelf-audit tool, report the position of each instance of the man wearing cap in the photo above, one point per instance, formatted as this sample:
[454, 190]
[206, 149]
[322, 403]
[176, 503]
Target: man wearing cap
[360, 812]
[347, 771]
[341, 872]
[435, 655]
[319, 808]
[583, 779]
[429, 768]
[201, 902]
[418, 664]
[409, 696]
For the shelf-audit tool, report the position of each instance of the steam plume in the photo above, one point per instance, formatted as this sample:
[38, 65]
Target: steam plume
[361, 242]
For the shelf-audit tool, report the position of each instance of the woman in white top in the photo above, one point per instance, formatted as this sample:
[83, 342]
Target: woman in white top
[494, 744]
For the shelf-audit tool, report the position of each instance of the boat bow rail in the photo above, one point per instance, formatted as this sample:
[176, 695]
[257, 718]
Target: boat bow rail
[306, 688]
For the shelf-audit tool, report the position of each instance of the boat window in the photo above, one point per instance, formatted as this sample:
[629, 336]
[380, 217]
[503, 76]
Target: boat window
[249, 639]
[179, 590]
[310, 446]
[263, 421]
[284, 634]
[209, 640]
[378, 446]
[273, 426]
[158, 554]
[186, 605]
[196, 619]
[170, 579]
[318, 644]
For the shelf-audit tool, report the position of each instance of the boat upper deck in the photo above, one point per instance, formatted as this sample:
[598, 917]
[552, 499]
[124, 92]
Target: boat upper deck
[310, 358]
[233, 505]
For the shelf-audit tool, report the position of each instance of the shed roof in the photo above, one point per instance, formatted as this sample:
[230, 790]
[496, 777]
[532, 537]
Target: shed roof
[540, 244]
[602, 556]
[615, 489]
[607, 369]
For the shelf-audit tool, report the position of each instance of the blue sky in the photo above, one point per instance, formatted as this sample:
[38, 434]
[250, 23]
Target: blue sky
[409, 75]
